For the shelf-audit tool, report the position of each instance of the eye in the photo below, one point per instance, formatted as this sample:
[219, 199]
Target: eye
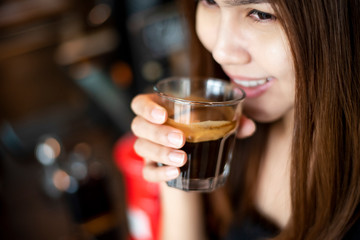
[208, 2]
[261, 16]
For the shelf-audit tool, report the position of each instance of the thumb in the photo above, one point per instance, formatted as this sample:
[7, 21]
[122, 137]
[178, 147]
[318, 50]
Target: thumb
[247, 127]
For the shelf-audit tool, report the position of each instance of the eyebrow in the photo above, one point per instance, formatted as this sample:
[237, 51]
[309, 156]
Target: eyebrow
[243, 2]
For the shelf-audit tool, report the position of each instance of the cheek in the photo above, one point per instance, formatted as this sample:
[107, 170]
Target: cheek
[205, 29]
[279, 59]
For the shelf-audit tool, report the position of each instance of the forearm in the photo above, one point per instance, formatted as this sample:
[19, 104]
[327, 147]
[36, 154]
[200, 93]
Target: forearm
[182, 215]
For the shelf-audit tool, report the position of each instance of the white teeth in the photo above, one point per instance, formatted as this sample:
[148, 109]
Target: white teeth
[253, 83]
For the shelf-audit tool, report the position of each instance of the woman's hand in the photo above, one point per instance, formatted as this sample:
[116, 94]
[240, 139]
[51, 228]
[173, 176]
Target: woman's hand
[158, 143]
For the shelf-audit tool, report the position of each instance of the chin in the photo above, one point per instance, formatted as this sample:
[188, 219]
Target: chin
[262, 116]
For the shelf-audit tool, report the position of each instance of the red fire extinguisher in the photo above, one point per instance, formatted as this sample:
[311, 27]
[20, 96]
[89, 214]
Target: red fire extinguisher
[142, 197]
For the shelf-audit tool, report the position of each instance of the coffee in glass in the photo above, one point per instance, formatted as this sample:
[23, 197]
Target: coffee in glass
[207, 111]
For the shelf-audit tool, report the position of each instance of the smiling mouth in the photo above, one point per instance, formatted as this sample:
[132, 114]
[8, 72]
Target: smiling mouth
[252, 83]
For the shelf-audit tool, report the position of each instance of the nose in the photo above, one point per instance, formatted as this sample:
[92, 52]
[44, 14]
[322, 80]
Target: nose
[230, 45]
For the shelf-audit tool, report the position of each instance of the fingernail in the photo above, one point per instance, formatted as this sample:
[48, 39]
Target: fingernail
[175, 139]
[158, 114]
[172, 172]
[176, 157]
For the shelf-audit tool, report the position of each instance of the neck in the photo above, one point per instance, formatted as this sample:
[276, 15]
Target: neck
[273, 193]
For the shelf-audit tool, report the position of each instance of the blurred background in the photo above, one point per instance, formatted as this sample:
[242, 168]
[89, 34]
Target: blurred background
[68, 71]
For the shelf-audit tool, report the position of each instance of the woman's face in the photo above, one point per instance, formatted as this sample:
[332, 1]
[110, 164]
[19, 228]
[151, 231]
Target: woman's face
[247, 40]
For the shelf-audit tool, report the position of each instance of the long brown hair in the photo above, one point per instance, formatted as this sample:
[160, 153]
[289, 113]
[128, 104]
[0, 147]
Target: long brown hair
[325, 42]
[324, 38]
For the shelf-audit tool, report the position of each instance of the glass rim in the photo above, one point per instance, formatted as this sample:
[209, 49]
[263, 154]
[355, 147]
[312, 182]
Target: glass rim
[192, 102]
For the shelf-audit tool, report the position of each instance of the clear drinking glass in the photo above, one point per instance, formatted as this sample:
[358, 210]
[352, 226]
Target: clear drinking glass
[207, 111]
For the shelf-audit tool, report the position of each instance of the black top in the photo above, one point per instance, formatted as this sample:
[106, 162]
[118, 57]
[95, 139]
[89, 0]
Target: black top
[258, 229]
[354, 232]
[253, 227]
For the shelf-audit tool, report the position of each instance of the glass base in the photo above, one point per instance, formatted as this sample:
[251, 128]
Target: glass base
[200, 185]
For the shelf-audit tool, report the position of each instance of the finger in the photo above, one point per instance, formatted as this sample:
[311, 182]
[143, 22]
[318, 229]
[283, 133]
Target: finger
[154, 173]
[144, 105]
[247, 127]
[158, 153]
[160, 134]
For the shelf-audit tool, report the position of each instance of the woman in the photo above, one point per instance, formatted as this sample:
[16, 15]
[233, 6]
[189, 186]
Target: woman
[297, 176]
